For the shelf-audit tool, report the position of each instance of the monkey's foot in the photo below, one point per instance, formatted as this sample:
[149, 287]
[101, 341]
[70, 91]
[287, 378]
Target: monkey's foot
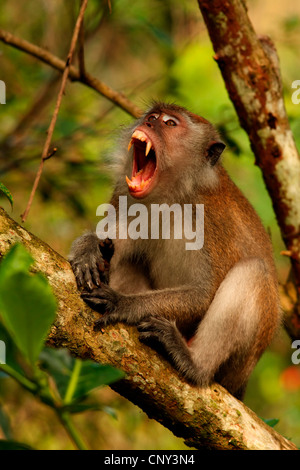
[159, 329]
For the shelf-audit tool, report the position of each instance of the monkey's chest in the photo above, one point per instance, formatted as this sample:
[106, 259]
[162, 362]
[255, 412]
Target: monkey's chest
[172, 266]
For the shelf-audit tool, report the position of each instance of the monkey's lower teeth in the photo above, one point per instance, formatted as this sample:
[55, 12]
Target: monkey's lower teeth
[137, 185]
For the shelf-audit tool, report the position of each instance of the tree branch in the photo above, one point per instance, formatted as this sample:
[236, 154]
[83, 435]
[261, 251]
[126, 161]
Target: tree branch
[250, 69]
[45, 152]
[74, 74]
[206, 418]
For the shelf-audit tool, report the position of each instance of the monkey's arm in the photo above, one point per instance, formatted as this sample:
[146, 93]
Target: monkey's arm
[184, 302]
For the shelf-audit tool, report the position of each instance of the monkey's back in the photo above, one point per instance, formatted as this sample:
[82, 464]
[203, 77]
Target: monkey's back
[233, 230]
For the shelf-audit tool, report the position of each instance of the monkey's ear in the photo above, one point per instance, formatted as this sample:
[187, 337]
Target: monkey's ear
[214, 151]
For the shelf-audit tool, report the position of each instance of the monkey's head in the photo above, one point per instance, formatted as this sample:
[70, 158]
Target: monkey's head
[171, 147]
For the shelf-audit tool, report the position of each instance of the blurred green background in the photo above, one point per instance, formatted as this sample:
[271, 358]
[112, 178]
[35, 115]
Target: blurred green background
[147, 50]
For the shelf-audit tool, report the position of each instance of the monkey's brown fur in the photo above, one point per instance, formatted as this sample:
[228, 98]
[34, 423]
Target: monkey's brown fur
[214, 310]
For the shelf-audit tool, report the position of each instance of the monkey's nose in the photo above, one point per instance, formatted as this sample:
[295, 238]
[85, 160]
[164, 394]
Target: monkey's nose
[148, 124]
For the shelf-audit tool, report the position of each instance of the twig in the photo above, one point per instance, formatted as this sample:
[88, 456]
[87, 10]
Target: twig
[50, 154]
[81, 60]
[74, 74]
[50, 131]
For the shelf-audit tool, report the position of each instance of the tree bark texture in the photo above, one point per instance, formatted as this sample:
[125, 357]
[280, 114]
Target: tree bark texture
[250, 69]
[205, 418]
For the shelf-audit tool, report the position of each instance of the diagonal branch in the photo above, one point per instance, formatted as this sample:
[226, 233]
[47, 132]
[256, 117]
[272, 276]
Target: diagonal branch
[74, 74]
[206, 418]
[250, 69]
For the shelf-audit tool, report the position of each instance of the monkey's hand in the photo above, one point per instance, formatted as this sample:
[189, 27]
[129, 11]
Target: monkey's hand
[90, 259]
[107, 301]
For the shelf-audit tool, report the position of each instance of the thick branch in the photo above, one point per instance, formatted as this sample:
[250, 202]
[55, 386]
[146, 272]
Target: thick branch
[74, 74]
[250, 69]
[206, 418]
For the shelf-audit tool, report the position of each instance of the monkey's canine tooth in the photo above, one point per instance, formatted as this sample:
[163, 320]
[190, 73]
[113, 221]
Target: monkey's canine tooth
[129, 145]
[148, 148]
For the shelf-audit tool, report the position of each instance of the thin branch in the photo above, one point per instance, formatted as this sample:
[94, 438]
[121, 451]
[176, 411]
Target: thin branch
[50, 154]
[81, 60]
[45, 153]
[74, 74]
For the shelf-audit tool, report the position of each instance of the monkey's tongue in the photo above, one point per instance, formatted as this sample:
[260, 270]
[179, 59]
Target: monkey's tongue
[142, 178]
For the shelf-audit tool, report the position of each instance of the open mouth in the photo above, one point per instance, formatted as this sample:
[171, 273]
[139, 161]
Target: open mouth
[144, 164]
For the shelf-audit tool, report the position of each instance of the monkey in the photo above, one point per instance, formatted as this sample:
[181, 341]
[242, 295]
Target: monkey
[213, 310]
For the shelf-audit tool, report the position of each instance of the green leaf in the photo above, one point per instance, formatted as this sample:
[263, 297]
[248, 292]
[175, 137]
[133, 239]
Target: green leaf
[80, 408]
[110, 411]
[60, 365]
[5, 423]
[12, 352]
[271, 422]
[93, 375]
[27, 304]
[17, 259]
[13, 445]
[7, 193]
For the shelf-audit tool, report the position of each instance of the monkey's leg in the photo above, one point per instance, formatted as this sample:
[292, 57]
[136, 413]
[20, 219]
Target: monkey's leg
[90, 258]
[232, 335]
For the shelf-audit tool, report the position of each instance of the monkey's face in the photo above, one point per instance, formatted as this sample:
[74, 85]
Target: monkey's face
[168, 146]
[150, 141]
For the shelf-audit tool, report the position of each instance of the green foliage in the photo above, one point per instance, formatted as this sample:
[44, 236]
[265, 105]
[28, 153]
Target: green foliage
[74, 378]
[27, 310]
[271, 422]
[6, 192]
[27, 304]
[13, 445]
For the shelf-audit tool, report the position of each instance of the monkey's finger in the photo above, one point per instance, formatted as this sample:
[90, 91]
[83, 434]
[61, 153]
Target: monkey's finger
[153, 323]
[96, 303]
[101, 323]
[145, 326]
[88, 281]
[150, 337]
[79, 277]
[105, 320]
[96, 275]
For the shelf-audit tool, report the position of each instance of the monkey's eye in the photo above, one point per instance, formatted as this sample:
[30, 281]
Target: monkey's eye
[170, 120]
[153, 117]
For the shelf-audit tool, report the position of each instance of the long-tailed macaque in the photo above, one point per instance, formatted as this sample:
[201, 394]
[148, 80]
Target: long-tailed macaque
[215, 309]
